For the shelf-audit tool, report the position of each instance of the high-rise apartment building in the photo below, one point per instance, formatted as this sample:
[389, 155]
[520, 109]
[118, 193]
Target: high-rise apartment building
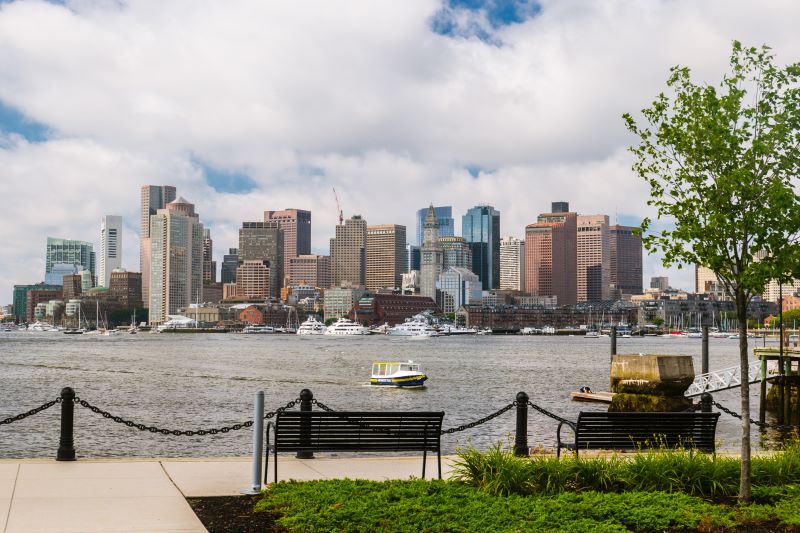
[229, 263]
[444, 214]
[512, 264]
[551, 255]
[704, 278]
[481, 228]
[773, 290]
[348, 253]
[659, 282]
[263, 241]
[313, 270]
[386, 256]
[176, 260]
[594, 258]
[66, 256]
[153, 198]
[253, 280]
[110, 248]
[296, 226]
[626, 260]
[432, 256]
[209, 265]
[457, 252]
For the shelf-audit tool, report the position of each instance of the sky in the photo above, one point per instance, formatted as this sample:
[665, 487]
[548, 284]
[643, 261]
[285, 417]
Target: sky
[250, 105]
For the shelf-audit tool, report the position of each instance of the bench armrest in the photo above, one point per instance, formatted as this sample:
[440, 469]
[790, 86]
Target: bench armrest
[560, 445]
[267, 449]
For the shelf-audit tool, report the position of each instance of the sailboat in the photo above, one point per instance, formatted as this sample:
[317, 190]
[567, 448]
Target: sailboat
[133, 329]
[79, 330]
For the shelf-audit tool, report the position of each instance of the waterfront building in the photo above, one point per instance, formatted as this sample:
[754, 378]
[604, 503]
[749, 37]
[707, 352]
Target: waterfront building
[228, 291]
[391, 309]
[413, 257]
[772, 291]
[692, 310]
[339, 301]
[229, 263]
[593, 258]
[110, 248]
[386, 256]
[512, 264]
[212, 293]
[296, 226]
[315, 270]
[37, 298]
[458, 286]
[481, 229]
[659, 282]
[87, 280]
[126, 288]
[551, 255]
[209, 265]
[456, 252]
[348, 253]
[513, 318]
[67, 256]
[253, 279]
[176, 260]
[20, 302]
[263, 241]
[444, 214]
[626, 260]
[153, 198]
[432, 257]
[410, 283]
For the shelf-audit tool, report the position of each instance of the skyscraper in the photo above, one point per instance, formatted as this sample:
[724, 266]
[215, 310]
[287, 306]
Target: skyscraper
[110, 248]
[263, 241]
[512, 264]
[457, 252]
[229, 263]
[253, 279]
[66, 256]
[176, 260]
[348, 253]
[153, 198]
[704, 278]
[551, 255]
[414, 259]
[314, 270]
[481, 228]
[209, 265]
[626, 260]
[432, 256]
[444, 214]
[296, 226]
[386, 256]
[594, 258]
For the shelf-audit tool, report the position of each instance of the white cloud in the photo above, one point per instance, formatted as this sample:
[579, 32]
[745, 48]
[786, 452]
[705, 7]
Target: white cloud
[364, 93]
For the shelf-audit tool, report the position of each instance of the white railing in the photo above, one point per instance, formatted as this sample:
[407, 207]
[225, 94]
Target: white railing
[727, 378]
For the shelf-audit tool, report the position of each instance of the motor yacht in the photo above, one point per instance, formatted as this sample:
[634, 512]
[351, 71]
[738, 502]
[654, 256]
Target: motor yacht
[311, 326]
[346, 327]
[415, 326]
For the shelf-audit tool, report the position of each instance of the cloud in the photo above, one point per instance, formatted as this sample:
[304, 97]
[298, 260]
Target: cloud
[248, 105]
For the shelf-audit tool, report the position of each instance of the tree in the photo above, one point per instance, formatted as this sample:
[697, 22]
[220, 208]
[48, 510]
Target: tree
[721, 163]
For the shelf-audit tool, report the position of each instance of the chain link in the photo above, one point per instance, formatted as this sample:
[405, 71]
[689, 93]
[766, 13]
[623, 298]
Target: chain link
[734, 414]
[483, 420]
[178, 432]
[554, 416]
[322, 406]
[32, 412]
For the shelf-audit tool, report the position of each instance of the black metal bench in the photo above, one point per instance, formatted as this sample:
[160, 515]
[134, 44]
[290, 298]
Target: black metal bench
[631, 431]
[348, 431]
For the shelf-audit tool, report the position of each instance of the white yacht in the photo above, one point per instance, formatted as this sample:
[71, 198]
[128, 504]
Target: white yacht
[415, 326]
[312, 326]
[450, 329]
[344, 327]
[258, 329]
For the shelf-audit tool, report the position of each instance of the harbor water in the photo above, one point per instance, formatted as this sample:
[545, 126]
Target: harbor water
[204, 381]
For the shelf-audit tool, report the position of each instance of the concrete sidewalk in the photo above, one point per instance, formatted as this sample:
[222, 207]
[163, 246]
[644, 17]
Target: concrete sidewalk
[148, 495]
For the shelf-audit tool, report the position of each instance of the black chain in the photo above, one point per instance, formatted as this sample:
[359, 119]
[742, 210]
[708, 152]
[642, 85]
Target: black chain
[695, 407]
[322, 406]
[734, 414]
[178, 432]
[281, 409]
[481, 421]
[551, 415]
[32, 412]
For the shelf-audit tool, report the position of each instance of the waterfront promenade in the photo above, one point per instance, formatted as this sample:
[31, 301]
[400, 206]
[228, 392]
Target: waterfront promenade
[149, 495]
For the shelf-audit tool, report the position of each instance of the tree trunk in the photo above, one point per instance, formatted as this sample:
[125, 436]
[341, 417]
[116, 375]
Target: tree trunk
[741, 312]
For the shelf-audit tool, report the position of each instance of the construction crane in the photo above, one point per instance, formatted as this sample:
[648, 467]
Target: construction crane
[338, 206]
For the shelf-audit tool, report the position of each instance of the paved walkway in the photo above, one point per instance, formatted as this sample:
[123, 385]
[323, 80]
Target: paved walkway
[110, 496]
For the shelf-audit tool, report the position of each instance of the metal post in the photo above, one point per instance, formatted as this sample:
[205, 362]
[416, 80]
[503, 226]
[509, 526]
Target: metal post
[306, 396]
[258, 443]
[782, 380]
[613, 340]
[705, 402]
[66, 444]
[705, 351]
[762, 401]
[521, 438]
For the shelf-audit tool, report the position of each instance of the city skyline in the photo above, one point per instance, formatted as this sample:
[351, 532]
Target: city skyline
[447, 104]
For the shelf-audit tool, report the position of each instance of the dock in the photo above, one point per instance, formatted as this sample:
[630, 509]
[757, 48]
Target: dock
[599, 396]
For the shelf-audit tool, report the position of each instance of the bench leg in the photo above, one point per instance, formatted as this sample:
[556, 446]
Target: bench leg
[424, 461]
[439, 461]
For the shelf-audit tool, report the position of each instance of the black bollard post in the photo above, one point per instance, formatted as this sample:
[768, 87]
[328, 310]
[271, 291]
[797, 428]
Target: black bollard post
[704, 361]
[613, 341]
[305, 425]
[521, 438]
[705, 402]
[66, 448]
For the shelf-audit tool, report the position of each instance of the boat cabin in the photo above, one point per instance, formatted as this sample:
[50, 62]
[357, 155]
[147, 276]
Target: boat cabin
[390, 368]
